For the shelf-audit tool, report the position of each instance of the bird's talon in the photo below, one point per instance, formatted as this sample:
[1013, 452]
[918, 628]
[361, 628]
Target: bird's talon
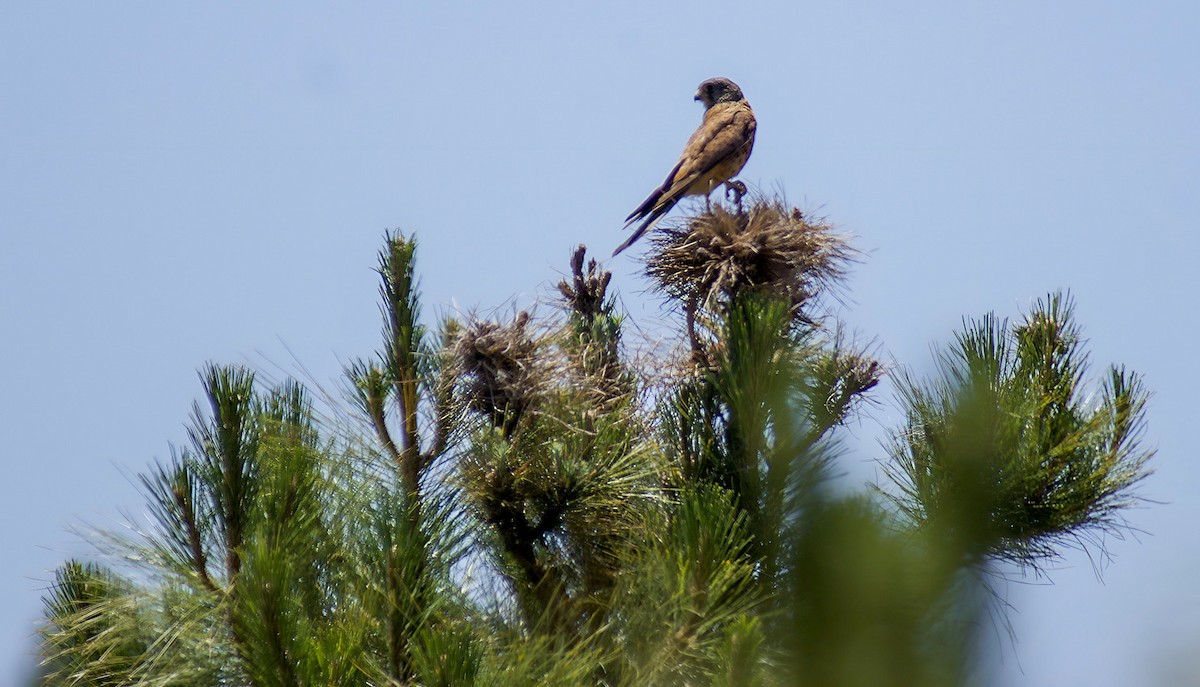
[736, 189]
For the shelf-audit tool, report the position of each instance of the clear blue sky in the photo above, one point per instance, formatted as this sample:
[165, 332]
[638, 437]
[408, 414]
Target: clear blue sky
[184, 184]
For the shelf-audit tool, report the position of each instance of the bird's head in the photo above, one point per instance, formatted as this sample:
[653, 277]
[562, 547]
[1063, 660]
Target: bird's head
[718, 90]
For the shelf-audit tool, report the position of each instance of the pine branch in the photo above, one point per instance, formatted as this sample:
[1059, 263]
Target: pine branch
[403, 338]
[446, 407]
[227, 446]
[184, 501]
[372, 390]
[1002, 456]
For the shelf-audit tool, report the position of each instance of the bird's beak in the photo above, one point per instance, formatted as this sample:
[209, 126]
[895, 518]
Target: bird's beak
[697, 98]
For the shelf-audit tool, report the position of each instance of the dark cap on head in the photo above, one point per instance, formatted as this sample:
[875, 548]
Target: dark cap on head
[718, 90]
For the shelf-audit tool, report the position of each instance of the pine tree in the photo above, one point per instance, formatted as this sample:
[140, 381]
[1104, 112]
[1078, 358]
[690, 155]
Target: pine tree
[539, 502]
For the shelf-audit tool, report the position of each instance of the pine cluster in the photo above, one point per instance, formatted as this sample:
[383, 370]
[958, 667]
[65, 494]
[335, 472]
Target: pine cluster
[537, 501]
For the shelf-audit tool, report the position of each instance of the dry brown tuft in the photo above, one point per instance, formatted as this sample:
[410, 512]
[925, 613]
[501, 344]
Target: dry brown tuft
[585, 293]
[500, 369]
[591, 339]
[768, 247]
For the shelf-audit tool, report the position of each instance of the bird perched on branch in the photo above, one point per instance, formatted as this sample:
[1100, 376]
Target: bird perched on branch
[713, 155]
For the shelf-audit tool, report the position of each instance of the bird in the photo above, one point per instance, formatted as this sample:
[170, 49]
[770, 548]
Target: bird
[714, 154]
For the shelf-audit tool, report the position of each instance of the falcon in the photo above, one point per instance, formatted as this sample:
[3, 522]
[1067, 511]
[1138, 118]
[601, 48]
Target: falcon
[714, 154]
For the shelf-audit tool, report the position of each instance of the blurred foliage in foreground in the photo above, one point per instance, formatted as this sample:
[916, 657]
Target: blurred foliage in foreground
[531, 502]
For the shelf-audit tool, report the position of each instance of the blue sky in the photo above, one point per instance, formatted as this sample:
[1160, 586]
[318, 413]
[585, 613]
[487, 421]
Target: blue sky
[181, 184]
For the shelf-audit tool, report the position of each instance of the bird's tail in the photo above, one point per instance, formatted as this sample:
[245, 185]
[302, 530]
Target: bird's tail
[629, 241]
[643, 228]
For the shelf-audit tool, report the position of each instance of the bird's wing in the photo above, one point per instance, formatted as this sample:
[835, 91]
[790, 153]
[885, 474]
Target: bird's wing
[725, 130]
[715, 153]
